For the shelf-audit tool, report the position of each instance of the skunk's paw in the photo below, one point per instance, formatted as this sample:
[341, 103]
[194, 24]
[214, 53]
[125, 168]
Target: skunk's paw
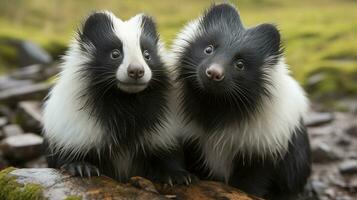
[82, 169]
[171, 177]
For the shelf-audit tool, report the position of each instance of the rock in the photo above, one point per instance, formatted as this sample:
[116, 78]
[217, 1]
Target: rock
[352, 131]
[29, 116]
[52, 185]
[9, 83]
[330, 192]
[344, 198]
[30, 53]
[317, 119]
[322, 152]
[29, 92]
[321, 130]
[32, 72]
[348, 167]
[3, 121]
[22, 147]
[204, 190]
[36, 72]
[319, 187]
[12, 130]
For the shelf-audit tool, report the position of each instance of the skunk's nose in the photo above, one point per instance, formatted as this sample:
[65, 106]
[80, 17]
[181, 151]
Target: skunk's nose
[135, 71]
[215, 72]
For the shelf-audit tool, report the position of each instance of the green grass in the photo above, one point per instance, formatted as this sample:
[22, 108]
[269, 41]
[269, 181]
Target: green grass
[317, 34]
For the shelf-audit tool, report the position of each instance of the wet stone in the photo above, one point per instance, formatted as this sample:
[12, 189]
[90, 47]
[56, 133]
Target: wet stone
[22, 147]
[12, 130]
[348, 167]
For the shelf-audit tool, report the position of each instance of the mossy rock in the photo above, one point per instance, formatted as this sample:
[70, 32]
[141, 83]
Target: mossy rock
[12, 190]
[52, 184]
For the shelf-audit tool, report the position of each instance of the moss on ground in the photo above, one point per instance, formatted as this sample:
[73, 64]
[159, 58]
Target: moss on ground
[11, 190]
[73, 198]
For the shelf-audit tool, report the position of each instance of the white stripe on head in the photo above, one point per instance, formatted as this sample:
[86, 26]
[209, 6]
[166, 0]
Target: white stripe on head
[129, 32]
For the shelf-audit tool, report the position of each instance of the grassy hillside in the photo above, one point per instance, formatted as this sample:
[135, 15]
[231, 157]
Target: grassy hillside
[318, 34]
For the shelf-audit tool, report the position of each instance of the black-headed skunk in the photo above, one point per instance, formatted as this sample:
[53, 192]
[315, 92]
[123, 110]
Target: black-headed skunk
[242, 111]
[108, 112]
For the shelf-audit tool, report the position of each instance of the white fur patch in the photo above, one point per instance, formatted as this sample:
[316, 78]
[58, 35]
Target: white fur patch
[66, 125]
[129, 33]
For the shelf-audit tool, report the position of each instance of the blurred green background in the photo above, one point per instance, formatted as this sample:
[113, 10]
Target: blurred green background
[320, 36]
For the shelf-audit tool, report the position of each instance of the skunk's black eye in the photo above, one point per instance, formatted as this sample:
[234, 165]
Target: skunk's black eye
[209, 49]
[115, 54]
[146, 55]
[239, 64]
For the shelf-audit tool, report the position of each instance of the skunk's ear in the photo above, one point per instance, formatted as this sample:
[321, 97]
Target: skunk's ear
[96, 27]
[221, 15]
[149, 28]
[265, 39]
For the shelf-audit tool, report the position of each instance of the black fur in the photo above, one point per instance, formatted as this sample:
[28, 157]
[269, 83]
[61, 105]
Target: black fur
[128, 119]
[238, 97]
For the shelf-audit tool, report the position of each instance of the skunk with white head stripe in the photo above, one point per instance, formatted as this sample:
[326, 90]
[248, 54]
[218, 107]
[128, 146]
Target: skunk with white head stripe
[108, 112]
[242, 111]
